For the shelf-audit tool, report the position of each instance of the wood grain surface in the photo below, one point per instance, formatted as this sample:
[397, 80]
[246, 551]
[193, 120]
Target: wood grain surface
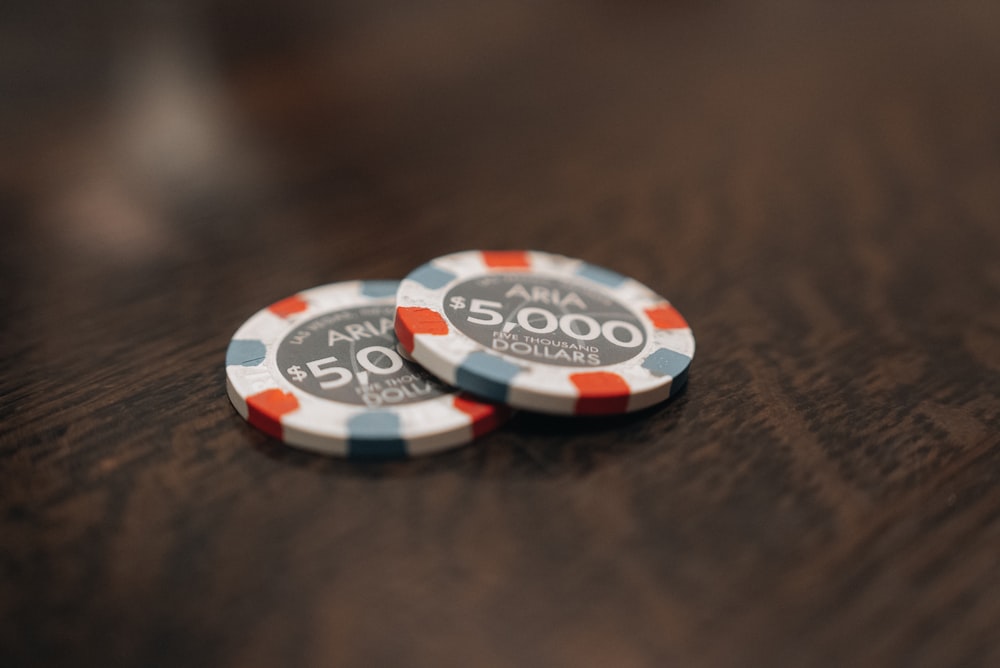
[815, 185]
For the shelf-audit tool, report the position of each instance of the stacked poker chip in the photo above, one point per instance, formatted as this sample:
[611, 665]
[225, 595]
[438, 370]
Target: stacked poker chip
[403, 368]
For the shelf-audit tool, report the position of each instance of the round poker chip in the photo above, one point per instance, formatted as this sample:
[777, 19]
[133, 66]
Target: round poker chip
[543, 332]
[320, 370]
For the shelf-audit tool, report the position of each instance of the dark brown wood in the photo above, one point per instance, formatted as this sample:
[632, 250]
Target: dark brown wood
[815, 185]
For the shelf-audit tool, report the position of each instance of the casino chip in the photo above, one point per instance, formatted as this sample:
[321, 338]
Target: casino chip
[543, 332]
[320, 370]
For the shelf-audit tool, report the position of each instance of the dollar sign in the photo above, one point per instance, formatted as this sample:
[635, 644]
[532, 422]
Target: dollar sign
[457, 302]
[296, 372]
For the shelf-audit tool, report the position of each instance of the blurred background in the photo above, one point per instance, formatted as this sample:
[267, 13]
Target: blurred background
[814, 184]
[151, 135]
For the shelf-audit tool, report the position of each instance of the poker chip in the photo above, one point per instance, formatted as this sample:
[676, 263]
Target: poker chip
[543, 332]
[320, 370]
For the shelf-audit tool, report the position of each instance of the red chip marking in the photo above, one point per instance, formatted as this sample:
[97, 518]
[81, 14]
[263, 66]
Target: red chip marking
[266, 408]
[287, 307]
[506, 259]
[601, 393]
[413, 320]
[485, 417]
[666, 316]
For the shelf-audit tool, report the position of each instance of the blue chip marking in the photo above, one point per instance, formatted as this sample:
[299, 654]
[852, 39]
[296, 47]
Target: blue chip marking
[679, 382]
[486, 375]
[245, 352]
[663, 362]
[601, 275]
[431, 277]
[379, 288]
[375, 435]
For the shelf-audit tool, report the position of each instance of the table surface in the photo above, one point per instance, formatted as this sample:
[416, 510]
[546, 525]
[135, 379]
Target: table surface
[816, 186]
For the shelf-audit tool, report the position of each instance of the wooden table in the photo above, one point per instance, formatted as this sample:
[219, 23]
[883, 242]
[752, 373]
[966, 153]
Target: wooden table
[816, 186]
